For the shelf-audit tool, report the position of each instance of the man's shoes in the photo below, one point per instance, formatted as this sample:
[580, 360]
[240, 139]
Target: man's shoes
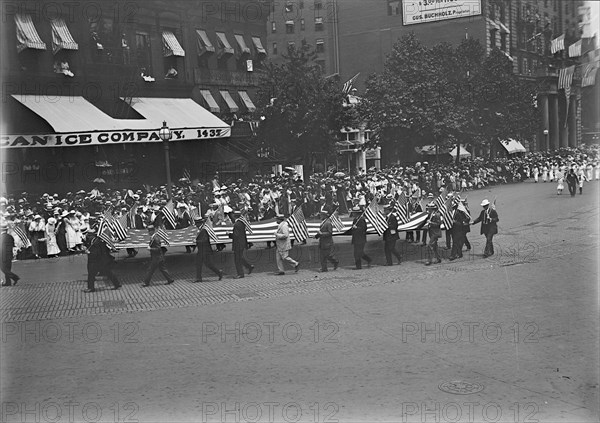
[89, 290]
[388, 264]
[250, 269]
[438, 261]
[452, 258]
[296, 267]
[145, 285]
[220, 274]
[357, 268]
[238, 276]
[369, 264]
[279, 273]
[116, 287]
[16, 280]
[6, 284]
[170, 282]
[335, 265]
[428, 263]
[198, 280]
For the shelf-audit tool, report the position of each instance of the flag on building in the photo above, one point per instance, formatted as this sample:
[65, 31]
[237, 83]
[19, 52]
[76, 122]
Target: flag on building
[246, 223]
[298, 224]
[557, 44]
[375, 216]
[588, 77]
[169, 213]
[337, 222]
[349, 84]
[575, 49]
[401, 208]
[565, 80]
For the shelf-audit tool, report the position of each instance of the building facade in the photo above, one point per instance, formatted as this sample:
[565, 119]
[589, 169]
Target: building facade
[93, 70]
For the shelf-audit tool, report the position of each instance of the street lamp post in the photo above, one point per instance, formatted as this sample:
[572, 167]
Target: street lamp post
[546, 146]
[165, 135]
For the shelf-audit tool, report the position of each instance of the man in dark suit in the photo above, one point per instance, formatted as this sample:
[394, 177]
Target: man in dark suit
[390, 236]
[99, 261]
[325, 237]
[204, 252]
[359, 238]
[7, 243]
[572, 180]
[157, 259]
[434, 223]
[240, 243]
[460, 227]
[138, 223]
[488, 218]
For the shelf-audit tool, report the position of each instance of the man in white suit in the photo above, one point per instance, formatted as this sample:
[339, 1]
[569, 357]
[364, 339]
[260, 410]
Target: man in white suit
[284, 245]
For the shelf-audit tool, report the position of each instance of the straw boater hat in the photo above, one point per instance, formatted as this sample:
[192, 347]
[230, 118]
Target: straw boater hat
[485, 202]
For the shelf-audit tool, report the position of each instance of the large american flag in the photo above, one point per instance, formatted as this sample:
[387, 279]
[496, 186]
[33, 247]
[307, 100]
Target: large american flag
[589, 74]
[445, 211]
[169, 213]
[375, 216]
[401, 208]
[337, 222]
[349, 84]
[557, 44]
[298, 224]
[162, 235]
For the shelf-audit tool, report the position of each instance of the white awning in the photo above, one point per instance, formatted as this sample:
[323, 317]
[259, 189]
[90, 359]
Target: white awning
[27, 35]
[225, 47]
[244, 49]
[204, 44]
[463, 153]
[258, 46]
[210, 100]
[247, 101]
[61, 37]
[233, 107]
[171, 46]
[513, 146]
[178, 112]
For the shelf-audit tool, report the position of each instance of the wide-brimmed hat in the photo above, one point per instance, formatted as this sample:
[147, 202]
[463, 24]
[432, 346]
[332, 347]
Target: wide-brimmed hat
[430, 195]
[36, 217]
[485, 202]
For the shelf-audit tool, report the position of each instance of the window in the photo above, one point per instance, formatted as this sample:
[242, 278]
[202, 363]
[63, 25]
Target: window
[318, 24]
[502, 13]
[289, 27]
[301, 4]
[302, 24]
[273, 27]
[492, 11]
[143, 53]
[320, 45]
[274, 48]
[318, 5]
[503, 41]
[492, 38]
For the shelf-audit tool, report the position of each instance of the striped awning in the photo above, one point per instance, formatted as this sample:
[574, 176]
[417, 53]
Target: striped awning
[244, 49]
[204, 44]
[210, 100]
[27, 35]
[233, 107]
[247, 101]
[61, 37]
[171, 46]
[258, 46]
[225, 47]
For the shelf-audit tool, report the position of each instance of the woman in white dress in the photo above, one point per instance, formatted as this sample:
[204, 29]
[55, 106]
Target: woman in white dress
[561, 182]
[596, 171]
[51, 243]
[590, 172]
[545, 173]
[536, 174]
[582, 176]
[72, 229]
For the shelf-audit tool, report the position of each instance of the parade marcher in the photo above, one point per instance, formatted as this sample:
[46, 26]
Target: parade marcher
[390, 236]
[536, 174]
[582, 177]
[572, 181]
[240, 243]
[283, 244]
[359, 238]
[204, 253]
[7, 243]
[325, 237]
[157, 258]
[61, 234]
[488, 218]
[466, 228]
[434, 222]
[99, 261]
[459, 229]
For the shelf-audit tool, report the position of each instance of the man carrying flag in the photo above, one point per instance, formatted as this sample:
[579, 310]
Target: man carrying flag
[157, 258]
[99, 261]
[205, 251]
[7, 243]
[460, 227]
[240, 243]
[325, 237]
[283, 245]
[488, 218]
[359, 238]
[390, 236]
[434, 223]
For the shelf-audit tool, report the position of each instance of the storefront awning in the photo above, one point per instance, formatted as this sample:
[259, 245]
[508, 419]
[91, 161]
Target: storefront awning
[78, 122]
[171, 46]
[233, 107]
[210, 100]
[513, 146]
[224, 46]
[27, 35]
[258, 46]
[204, 44]
[247, 101]
[244, 49]
[61, 37]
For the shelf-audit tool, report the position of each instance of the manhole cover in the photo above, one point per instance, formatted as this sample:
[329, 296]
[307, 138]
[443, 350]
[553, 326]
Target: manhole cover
[113, 303]
[460, 387]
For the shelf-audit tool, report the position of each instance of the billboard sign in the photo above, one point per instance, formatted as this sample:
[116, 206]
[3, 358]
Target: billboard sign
[422, 11]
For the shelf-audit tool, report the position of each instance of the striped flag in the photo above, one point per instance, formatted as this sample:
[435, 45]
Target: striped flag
[298, 224]
[557, 44]
[565, 79]
[105, 233]
[349, 84]
[575, 49]
[162, 235]
[186, 174]
[445, 211]
[337, 222]
[246, 223]
[375, 216]
[120, 228]
[169, 213]
[194, 214]
[401, 208]
[211, 232]
[18, 231]
[589, 74]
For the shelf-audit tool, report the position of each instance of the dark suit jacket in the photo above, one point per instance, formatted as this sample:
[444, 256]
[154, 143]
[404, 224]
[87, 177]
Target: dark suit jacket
[240, 241]
[99, 252]
[184, 221]
[359, 234]
[488, 224]
[392, 230]
[326, 235]
[435, 221]
[156, 251]
[203, 242]
[7, 243]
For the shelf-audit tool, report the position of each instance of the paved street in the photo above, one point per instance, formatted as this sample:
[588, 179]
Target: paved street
[510, 338]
